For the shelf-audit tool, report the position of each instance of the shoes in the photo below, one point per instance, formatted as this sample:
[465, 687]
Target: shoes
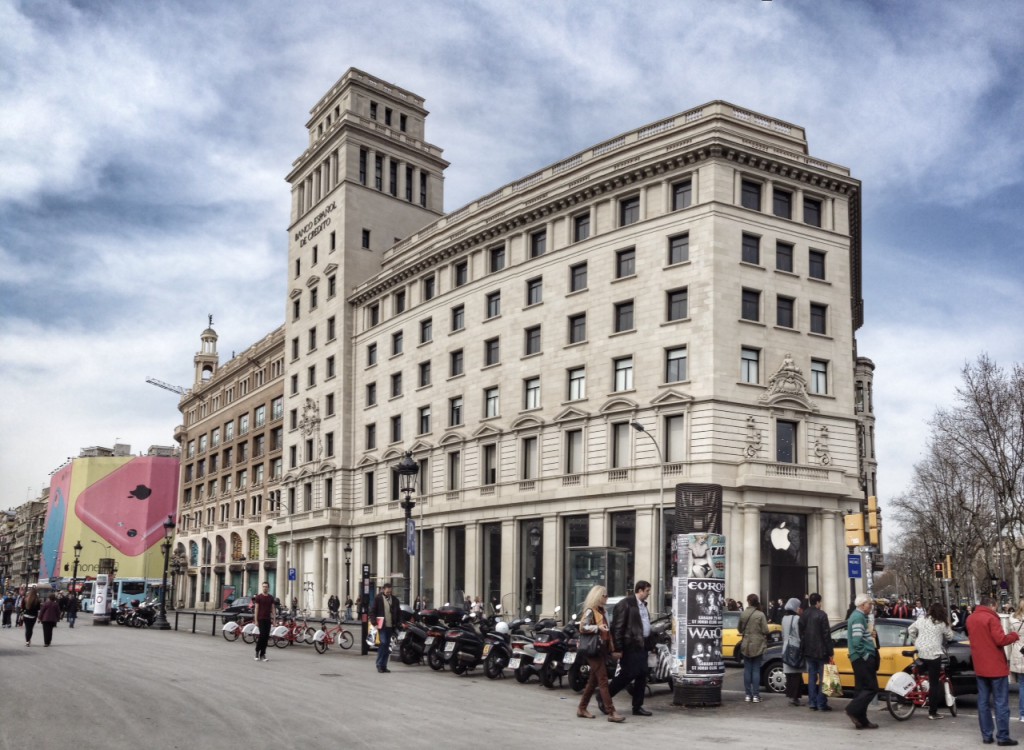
[382, 671]
[856, 722]
[747, 698]
[794, 702]
[263, 658]
[813, 708]
[584, 713]
[934, 716]
[641, 711]
[988, 740]
[46, 645]
[826, 707]
[1021, 718]
[869, 725]
[601, 706]
[1007, 743]
[756, 699]
[28, 643]
[616, 718]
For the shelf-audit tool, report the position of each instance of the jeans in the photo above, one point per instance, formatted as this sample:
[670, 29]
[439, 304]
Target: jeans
[752, 676]
[994, 693]
[72, 616]
[815, 673]
[264, 637]
[936, 690]
[1020, 693]
[866, 673]
[384, 649]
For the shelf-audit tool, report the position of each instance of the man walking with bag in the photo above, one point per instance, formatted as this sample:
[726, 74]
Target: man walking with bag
[992, 671]
[631, 630]
[816, 640]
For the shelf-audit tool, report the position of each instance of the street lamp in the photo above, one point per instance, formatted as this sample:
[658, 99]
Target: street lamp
[660, 591]
[534, 535]
[348, 569]
[74, 572]
[160, 623]
[407, 471]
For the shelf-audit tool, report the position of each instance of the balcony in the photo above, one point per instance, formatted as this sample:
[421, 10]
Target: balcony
[791, 477]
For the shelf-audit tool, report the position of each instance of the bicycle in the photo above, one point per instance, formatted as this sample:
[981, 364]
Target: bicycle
[287, 632]
[248, 630]
[337, 634]
[906, 691]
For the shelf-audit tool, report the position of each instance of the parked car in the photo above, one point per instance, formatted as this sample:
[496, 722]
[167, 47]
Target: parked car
[238, 605]
[892, 640]
[731, 635]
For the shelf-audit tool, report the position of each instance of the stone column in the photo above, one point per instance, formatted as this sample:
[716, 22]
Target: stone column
[511, 596]
[832, 586]
[473, 561]
[751, 550]
[599, 536]
[318, 574]
[550, 580]
[442, 591]
[335, 559]
[281, 587]
[645, 560]
[734, 554]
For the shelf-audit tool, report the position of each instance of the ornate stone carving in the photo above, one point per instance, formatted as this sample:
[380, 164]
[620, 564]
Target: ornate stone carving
[753, 438]
[788, 384]
[821, 447]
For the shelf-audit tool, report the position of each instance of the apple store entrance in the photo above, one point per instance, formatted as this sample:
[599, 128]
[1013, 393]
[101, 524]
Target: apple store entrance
[784, 569]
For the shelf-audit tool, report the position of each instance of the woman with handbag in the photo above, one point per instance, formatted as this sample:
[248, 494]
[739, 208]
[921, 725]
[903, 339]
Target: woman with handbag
[792, 654]
[596, 644]
[930, 635]
[753, 627]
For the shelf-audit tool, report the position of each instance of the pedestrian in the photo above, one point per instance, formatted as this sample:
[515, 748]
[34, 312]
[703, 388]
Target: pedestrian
[991, 670]
[775, 612]
[73, 607]
[791, 636]
[19, 604]
[753, 629]
[263, 605]
[333, 605]
[348, 609]
[860, 639]
[1017, 658]
[631, 631]
[29, 612]
[49, 616]
[594, 621]
[816, 642]
[477, 607]
[901, 609]
[8, 608]
[388, 615]
[919, 611]
[930, 635]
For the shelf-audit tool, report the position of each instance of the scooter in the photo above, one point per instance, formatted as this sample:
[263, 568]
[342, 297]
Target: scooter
[500, 645]
[464, 643]
[553, 649]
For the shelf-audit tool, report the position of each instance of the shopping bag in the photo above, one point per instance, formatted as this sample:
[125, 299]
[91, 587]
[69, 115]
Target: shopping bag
[830, 684]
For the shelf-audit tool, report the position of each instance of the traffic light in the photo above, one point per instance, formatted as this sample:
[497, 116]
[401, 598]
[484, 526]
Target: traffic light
[947, 571]
[853, 523]
[938, 571]
[874, 522]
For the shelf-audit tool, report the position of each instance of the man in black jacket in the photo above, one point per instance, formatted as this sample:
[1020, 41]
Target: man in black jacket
[388, 616]
[631, 631]
[816, 644]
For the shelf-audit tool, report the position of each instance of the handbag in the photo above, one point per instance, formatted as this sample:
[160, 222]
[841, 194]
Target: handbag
[589, 644]
[793, 655]
[831, 686]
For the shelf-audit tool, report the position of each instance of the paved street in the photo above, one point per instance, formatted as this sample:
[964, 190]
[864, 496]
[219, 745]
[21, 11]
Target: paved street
[117, 688]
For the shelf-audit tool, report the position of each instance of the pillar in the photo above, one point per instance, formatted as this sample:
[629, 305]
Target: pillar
[645, 560]
[318, 573]
[473, 565]
[734, 554]
[550, 581]
[511, 596]
[751, 550]
[833, 587]
[335, 560]
[441, 588]
[281, 587]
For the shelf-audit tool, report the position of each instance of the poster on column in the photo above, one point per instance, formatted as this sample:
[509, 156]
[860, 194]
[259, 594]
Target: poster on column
[699, 596]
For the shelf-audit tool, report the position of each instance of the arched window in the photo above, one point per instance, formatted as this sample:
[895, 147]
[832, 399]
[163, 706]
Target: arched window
[254, 545]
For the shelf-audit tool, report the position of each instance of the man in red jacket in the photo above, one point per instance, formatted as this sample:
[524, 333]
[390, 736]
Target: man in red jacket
[988, 638]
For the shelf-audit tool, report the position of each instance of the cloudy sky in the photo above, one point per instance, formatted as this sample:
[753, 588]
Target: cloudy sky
[143, 149]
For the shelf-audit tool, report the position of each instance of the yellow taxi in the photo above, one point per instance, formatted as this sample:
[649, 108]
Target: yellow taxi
[731, 635]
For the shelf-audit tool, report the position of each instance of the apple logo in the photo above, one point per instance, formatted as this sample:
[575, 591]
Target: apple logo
[141, 492]
[780, 537]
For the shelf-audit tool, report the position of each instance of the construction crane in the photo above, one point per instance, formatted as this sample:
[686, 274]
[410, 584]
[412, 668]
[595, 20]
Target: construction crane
[167, 386]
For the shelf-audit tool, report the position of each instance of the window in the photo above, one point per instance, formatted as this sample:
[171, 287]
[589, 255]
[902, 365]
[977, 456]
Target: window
[785, 442]
[623, 369]
[819, 376]
[624, 316]
[332, 286]
[816, 264]
[751, 249]
[329, 404]
[538, 243]
[682, 194]
[362, 166]
[455, 411]
[313, 298]
[396, 343]
[675, 439]
[490, 465]
[784, 311]
[496, 259]
[312, 339]
[782, 203]
[812, 211]
[260, 416]
[819, 315]
[577, 328]
[426, 330]
[366, 239]
[399, 302]
[429, 288]
[751, 195]
[625, 263]
[396, 384]
[374, 314]
[371, 436]
[580, 227]
[371, 394]
[293, 419]
[577, 383]
[294, 384]
[675, 364]
[532, 344]
[393, 177]
[678, 304]
[329, 444]
[455, 361]
[493, 304]
[424, 374]
[403, 122]
[784, 257]
[331, 333]
[424, 420]
[454, 470]
[620, 445]
[629, 210]
[276, 410]
[534, 291]
[751, 305]
[578, 277]
[750, 360]
[458, 317]
[491, 402]
[678, 249]
[371, 355]
[378, 172]
[295, 348]
[574, 451]
[296, 308]
[373, 110]
[243, 425]
[311, 376]
[528, 458]
[461, 273]
[298, 267]
[423, 189]
[396, 428]
[491, 352]
[531, 393]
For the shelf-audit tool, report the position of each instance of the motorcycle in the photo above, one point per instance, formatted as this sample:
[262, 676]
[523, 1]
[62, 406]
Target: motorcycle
[523, 651]
[412, 639]
[554, 653]
[500, 646]
[464, 643]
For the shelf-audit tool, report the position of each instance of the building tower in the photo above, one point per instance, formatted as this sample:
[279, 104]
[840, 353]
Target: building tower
[206, 359]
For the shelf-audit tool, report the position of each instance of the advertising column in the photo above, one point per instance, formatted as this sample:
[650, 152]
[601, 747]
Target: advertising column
[101, 599]
[698, 600]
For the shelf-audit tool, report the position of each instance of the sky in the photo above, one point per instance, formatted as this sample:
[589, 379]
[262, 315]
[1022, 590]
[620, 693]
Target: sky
[144, 146]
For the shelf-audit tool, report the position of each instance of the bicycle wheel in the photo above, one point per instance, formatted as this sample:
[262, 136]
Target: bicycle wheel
[320, 646]
[345, 640]
[901, 708]
[230, 635]
[281, 642]
[308, 635]
[250, 637]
